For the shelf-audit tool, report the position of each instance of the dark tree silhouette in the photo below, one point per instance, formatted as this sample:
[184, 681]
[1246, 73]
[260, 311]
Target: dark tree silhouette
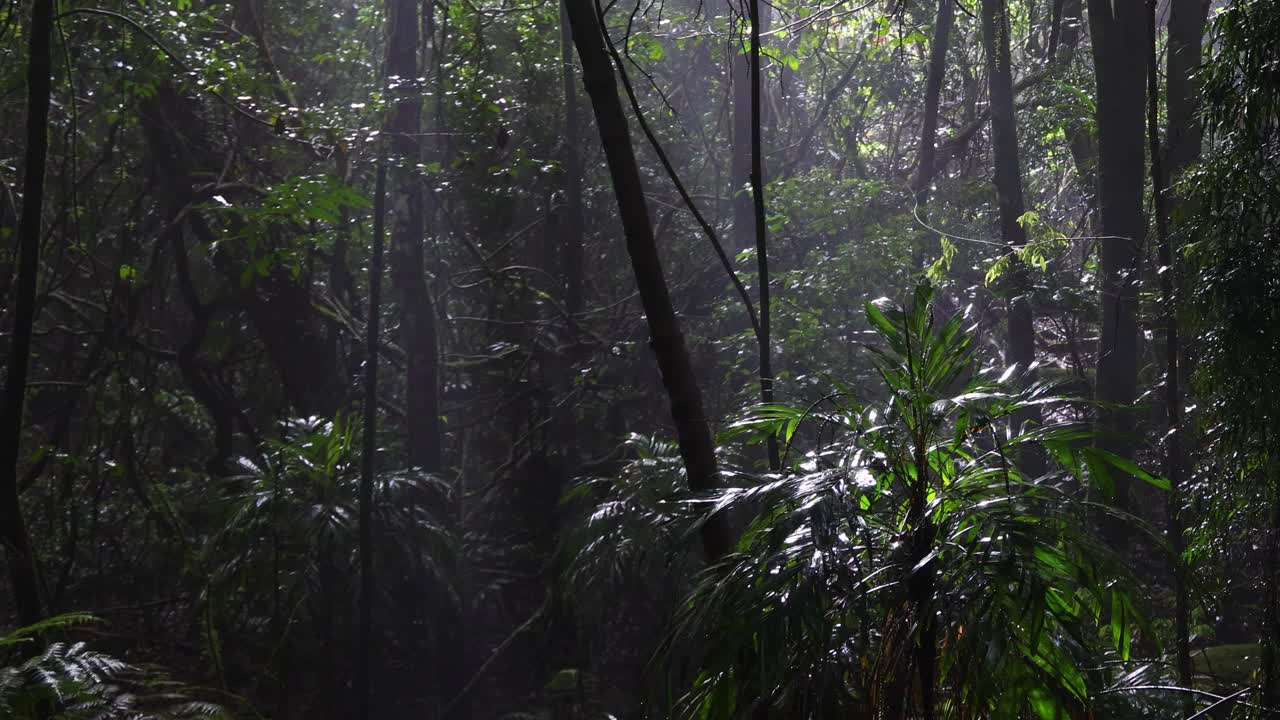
[1119, 36]
[22, 566]
[692, 428]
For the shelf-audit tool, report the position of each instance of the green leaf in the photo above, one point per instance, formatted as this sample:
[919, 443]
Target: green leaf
[1132, 468]
[883, 325]
[1050, 658]
[1099, 473]
[564, 681]
[57, 622]
[1047, 705]
[1120, 630]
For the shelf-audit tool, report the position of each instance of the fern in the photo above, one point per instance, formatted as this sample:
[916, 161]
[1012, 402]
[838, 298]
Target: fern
[69, 681]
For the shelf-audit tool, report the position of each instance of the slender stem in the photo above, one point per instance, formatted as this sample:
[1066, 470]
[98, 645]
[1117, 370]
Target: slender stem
[1172, 392]
[370, 441]
[762, 245]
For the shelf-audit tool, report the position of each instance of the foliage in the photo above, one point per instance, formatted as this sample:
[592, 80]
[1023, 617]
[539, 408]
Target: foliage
[190, 465]
[819, 612]
[1235, 227]
[1232, 266]
[631, 518]
[285, 556]
[69, 681]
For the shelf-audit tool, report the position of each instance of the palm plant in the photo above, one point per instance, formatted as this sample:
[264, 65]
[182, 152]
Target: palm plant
[285, 558]
[298, 512]
[906, 567]
[631, 519]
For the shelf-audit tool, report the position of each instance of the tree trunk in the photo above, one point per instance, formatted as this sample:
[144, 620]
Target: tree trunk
[740, 165]
[1069, 30]
[763, 340]
[1172, 395]
[1271, 597]
[1180, 148]
[21, 561]
[932, 97]
[369, 446]
[1055, 31]
[1184, 136]
[692, 429]
[408, 272]
[418, 333]
[1187, 19]
[1119, 36]
[1084, 152]
[1008, 180]
[573, 226]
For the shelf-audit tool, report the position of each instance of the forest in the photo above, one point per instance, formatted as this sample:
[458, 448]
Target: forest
[625, 359]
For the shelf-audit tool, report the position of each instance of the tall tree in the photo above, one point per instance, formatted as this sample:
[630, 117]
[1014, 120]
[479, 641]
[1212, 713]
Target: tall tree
[418, 331]
[1119, 35]
[1180, 148]
[758, 220]
[1172, 394]
[21, 561]
[932, 97]
[697, 448]
[1008, 181]
[417, 312]
[1187, 20]
[740, 162]
[369, 444]
[1084, 150]
[573, 225]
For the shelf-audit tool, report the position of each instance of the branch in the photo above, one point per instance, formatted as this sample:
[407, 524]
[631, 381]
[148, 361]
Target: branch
[956, 142]
[137, 26]
[675, 180]
[497, 651]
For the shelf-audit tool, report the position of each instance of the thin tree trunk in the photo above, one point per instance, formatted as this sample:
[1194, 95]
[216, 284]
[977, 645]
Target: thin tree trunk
[573, 228]
[763, 339]
[369, 447]
[1184, 136]
[932, 97]
[740, 162]
[1008, 181]
[920, 586]
[1084, 151]
[21, 561]
[1055, 31]
[1180, 148]
[1271, 602]
[1119, 36]
[1172, 395]
[692, 429]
